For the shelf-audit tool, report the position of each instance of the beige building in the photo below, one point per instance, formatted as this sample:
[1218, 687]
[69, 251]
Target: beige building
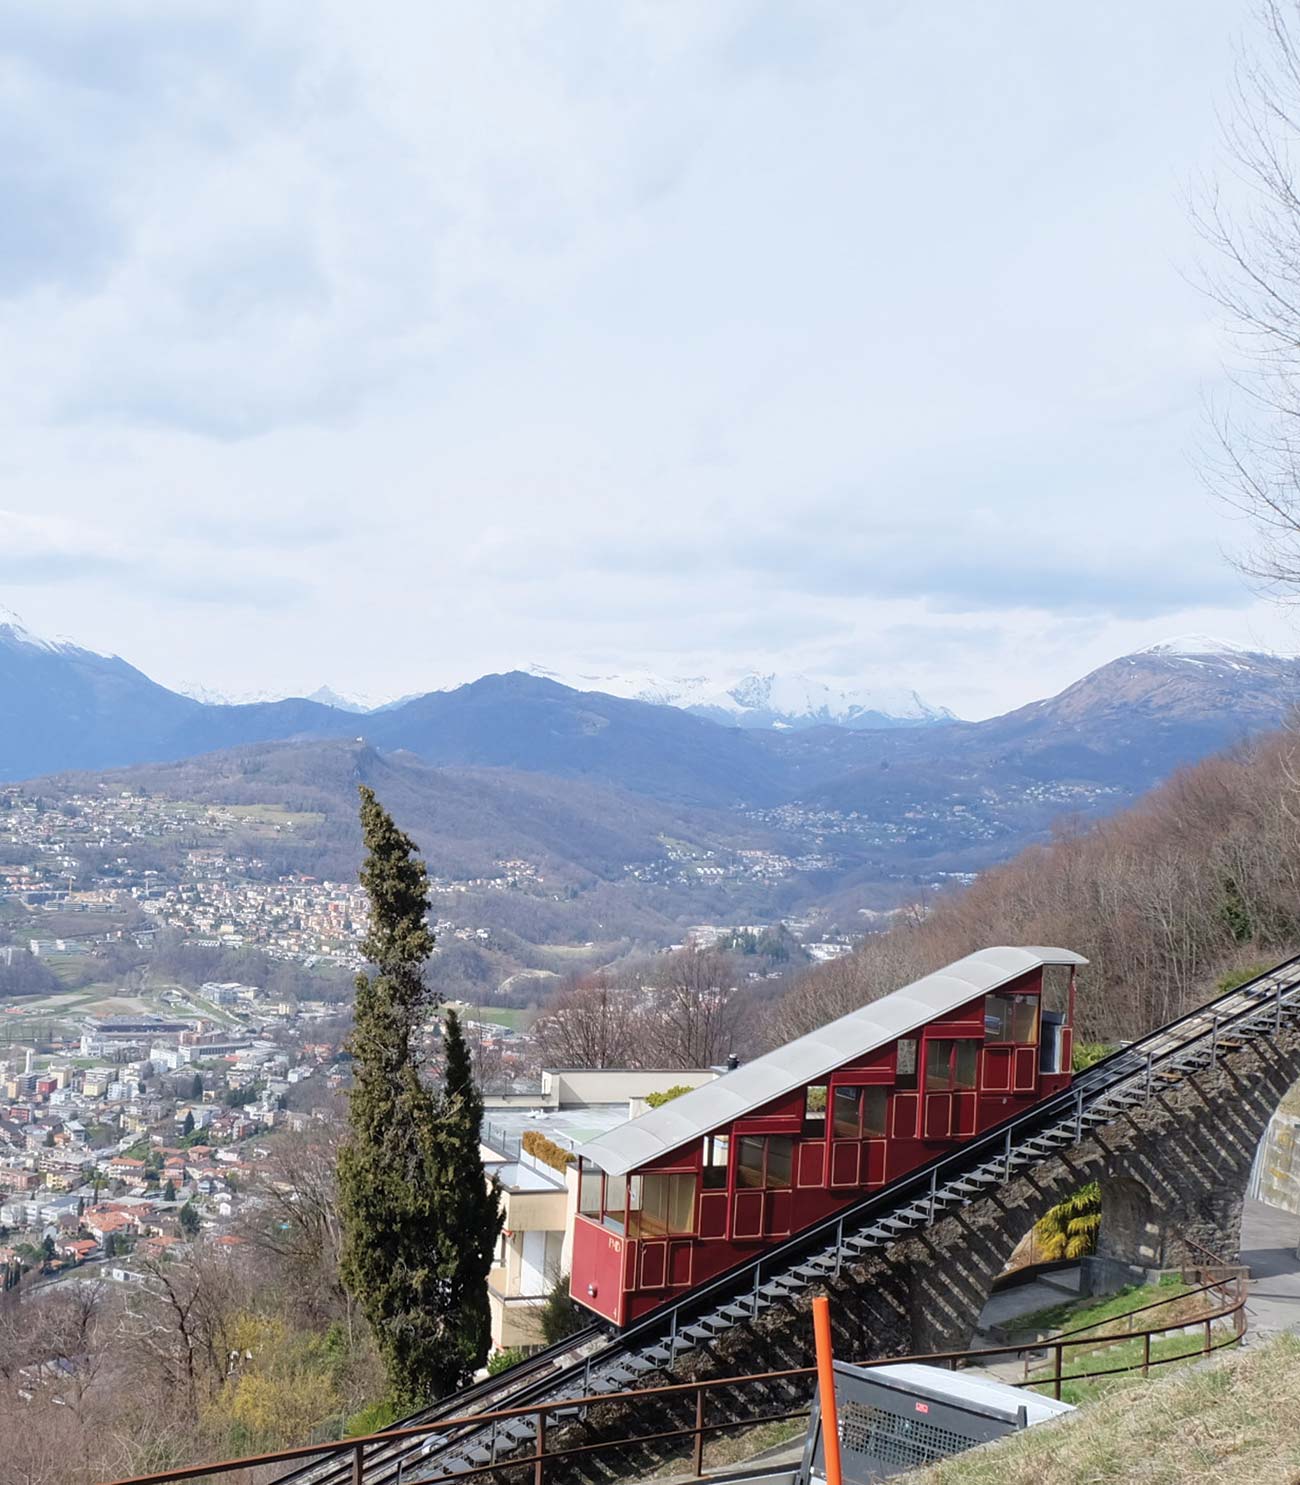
[569, 1108]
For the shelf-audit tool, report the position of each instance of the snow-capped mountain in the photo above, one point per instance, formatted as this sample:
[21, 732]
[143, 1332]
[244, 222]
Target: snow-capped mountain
[14, 632]
[758, 700]
[325, 695]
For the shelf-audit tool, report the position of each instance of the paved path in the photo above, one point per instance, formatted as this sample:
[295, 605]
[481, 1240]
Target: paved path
[1023, 1299]
[1268, 1244]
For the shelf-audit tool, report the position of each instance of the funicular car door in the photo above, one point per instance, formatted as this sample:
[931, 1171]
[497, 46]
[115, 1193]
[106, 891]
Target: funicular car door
[951, 1065]
[662, 1214]
[764, 1175]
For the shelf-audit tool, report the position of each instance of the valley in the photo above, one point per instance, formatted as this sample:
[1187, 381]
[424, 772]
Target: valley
[563, 829]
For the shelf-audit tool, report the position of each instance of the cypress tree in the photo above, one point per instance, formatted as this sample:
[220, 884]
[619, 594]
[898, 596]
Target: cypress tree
[471, 1212]
[406, 1194]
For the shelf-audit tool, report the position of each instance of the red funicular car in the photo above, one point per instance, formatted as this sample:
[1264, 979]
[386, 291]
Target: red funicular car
[696, 1186]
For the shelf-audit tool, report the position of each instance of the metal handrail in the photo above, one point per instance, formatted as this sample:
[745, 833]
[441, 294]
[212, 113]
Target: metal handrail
[1106, 1077]
[697, 1432]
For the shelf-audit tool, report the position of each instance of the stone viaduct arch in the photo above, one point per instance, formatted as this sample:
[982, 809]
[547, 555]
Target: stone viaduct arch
[1172, 1170]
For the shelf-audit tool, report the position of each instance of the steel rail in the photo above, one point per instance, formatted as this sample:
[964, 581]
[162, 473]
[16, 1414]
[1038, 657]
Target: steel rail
[1126, 1075]
[353, 1449]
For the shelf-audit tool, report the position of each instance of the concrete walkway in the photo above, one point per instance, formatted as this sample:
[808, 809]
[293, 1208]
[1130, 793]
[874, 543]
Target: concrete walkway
[1024, 1299]
[1268, 1244]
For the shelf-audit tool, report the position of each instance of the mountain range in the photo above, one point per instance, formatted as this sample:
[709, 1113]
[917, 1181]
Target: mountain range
[785, 702]
[1117, 730]
[639, 816]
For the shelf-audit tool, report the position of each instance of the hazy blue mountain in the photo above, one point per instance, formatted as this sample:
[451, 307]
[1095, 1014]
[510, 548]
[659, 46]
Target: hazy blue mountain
[62, 706]
[1120, 728]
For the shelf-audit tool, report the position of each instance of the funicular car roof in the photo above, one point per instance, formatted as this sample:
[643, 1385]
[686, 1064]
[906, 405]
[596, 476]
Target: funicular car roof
[813, 1057]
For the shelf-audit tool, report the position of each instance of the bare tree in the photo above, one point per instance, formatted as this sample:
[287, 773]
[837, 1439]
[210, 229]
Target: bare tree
[294, 1221]
[591, 1024]
[1256, 467]
[694, 1010]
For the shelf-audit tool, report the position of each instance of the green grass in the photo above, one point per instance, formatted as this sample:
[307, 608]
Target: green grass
[271, 815]
[1073, 1314]
[1231, 1422]
[1166, 1352]
[497, 1015]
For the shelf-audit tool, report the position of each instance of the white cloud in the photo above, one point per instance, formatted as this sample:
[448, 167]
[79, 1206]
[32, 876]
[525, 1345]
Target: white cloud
[642, 334]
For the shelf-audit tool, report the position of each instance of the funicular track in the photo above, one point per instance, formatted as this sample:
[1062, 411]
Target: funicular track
[587, 1365]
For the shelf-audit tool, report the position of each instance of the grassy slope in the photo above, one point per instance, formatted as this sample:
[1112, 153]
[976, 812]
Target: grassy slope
[1231, 1421]
[1074, 1314]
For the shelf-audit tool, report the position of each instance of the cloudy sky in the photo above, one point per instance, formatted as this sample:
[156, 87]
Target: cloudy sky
[387, 345]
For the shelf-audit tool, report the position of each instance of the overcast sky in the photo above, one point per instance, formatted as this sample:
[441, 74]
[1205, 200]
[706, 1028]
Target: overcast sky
[385, 345]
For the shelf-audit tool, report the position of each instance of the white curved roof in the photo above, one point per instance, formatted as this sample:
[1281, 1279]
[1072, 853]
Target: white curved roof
[812, 1058]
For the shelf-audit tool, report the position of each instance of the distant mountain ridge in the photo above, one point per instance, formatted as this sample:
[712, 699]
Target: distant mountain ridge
[1117, 730]
[785, 702]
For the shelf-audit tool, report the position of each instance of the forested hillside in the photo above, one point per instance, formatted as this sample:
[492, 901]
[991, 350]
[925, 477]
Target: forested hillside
[1200, 878]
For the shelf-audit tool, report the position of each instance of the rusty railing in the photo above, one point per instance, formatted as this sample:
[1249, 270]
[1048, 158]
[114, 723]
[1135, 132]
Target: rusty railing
[1229, 1285]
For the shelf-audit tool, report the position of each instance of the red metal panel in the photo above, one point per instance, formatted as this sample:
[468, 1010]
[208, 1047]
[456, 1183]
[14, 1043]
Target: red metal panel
[769, 1124]
[598, 1266]
[679, 1263]
[747, 1218]
[904, 1116]
[1026, 1070]
[938, 1115]
[778, 1213]
[844, 1163]
[811, 1156]
[902, 1156]
[997, 1070]
[713, 1214]
[965, 1113]
[654, 1264]
[875, 1166]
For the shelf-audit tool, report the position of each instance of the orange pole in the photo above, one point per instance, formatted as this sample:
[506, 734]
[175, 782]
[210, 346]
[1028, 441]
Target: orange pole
[826, 1389]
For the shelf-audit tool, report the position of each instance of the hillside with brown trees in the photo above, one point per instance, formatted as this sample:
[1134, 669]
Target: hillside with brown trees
[1199, 879]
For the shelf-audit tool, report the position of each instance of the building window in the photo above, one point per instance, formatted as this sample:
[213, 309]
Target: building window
[716, 1149]
[1011, 1018]
[906, 1074]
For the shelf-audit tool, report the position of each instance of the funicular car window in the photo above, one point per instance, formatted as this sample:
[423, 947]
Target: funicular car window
[749, 1160]
[681, 1203]
[780, 1162]
[905, 1076]
[716, 1147]
[938, 1066]
[615, 1196]
[847, 1119]
[875, 1102]
[965, 1064]
[589, 1192]
[1011, 1018]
